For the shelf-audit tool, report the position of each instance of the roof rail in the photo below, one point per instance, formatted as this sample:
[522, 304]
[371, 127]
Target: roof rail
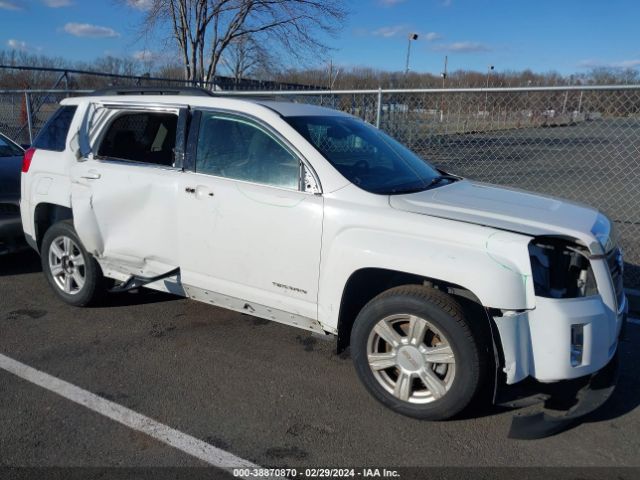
[192, 91]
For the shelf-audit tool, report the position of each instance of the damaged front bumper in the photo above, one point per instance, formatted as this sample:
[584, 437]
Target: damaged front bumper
[541, 369]
[541, 343]
[565, 403]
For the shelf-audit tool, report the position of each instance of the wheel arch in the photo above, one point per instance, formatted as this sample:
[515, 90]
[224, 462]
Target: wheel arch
[46, 214]
[366, 283]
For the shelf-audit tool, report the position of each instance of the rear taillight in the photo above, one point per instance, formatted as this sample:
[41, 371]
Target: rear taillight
[26, 160]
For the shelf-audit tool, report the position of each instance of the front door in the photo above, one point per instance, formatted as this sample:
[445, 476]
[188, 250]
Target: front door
[248, 231]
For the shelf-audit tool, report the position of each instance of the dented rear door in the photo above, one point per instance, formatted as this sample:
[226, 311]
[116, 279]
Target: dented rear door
[124, 209]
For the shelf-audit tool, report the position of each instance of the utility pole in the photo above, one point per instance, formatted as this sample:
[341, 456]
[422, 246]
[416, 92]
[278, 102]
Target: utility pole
[412, 36]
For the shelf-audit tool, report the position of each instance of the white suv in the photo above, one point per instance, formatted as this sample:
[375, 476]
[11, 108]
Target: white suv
[313, 218]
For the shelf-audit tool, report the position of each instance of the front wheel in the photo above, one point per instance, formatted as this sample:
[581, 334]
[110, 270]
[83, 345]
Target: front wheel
[414, 351]
[74, 275]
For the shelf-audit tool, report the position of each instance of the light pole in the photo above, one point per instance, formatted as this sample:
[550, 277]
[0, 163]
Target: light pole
[444, 79]
[486, 93]
[412, 36]
[444, 72]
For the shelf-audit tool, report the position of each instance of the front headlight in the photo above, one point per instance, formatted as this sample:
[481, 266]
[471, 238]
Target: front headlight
[560, 269]
[605, 232]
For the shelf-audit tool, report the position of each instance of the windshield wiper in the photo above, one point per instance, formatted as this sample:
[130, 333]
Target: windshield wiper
[426, 186]
[440, 178]
[407, 190]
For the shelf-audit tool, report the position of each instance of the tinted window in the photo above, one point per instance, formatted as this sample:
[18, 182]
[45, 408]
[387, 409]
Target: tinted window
[141, 137]
[235, 148]
[53, 135]
[8, 148]
[365, 155]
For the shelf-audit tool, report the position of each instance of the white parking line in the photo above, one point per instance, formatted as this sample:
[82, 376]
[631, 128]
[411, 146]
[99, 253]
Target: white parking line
[186, 443]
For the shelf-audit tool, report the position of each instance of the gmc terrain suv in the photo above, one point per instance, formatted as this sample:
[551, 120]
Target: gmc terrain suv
[313, 218]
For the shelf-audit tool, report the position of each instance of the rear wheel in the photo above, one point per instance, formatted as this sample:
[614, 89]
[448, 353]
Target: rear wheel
[414, 351]
[74, 275]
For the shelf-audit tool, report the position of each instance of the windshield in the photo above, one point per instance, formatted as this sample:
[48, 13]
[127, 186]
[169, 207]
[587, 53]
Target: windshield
[366, 156]
[8, 148]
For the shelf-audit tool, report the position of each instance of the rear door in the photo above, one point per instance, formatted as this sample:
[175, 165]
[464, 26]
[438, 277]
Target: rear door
[124, 192]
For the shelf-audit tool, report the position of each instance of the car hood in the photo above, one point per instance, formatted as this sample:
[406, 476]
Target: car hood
[511, 209]
[10, 168]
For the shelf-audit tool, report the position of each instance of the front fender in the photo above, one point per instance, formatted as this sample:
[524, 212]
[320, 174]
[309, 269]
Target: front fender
[492, 264]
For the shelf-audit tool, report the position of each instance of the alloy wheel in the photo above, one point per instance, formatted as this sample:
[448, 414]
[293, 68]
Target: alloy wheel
[67, 265]
[411, 359]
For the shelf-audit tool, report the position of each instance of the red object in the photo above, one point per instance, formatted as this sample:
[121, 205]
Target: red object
[26, 160]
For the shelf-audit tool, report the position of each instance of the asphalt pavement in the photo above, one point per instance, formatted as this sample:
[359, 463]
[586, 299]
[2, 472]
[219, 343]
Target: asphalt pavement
[267, 393]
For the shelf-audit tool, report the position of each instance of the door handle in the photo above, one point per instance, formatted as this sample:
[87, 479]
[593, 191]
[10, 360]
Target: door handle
[202, 191]
[91, 175]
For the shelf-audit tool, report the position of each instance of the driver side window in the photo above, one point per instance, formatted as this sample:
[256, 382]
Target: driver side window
[232, 147]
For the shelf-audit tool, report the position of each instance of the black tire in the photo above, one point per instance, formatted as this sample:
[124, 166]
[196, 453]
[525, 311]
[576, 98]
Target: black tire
[445, 314]
[94, 286]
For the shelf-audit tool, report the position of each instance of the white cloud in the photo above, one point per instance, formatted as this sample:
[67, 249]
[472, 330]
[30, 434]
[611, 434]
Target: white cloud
[144, 55]
[140, 4]
[88, 30]
[591, 63]
[388, 32]
[14, 44]
[57, 3]
[390, 3]
[396, 30]
[12, 5]
[461, 47]
[627, 64]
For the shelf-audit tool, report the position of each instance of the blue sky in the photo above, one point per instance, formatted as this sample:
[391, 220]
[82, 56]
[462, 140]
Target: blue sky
[563, 35]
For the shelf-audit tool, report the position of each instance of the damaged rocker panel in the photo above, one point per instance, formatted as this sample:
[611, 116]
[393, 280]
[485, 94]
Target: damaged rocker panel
[254, 309]
[137, 281]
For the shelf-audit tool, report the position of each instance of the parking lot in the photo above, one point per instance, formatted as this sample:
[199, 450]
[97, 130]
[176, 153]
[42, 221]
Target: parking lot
[267, 393]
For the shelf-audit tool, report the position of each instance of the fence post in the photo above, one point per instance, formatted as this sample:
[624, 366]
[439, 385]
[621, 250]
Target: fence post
[27, 100]
[580, 102]
[379, 110]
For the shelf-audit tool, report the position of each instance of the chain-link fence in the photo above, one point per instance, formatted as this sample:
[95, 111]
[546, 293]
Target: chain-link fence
[24, 112]
[580, 143]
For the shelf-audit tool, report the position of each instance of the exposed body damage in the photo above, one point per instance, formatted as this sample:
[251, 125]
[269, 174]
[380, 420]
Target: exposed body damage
[547, 272]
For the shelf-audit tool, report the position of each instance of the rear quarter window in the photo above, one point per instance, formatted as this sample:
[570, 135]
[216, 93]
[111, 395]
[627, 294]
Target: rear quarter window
[53, 135]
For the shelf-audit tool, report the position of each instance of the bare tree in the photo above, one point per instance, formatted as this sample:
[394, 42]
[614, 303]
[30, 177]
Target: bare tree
[245, 57]
[204, 29]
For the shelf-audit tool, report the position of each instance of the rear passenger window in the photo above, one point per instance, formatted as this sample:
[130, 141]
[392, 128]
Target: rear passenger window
[53, 135]
[141, 137]
[234, 148]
